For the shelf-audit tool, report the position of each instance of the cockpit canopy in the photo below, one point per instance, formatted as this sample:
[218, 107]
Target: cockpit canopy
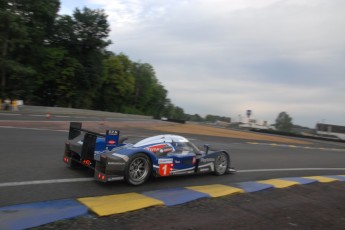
[179, 143]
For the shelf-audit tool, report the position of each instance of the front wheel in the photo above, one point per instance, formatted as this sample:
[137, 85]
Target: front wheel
[138, 169]
[221, 164]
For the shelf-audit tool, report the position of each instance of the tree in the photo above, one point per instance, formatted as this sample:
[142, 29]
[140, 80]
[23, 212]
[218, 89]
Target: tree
[77, 49]
[284, 122]
[60, 60]
[23, 29]
[57, 83]
[196, 117]
[91, 30]
[149, 96]
[214, 118]
[117, 84]
[179, 113]
[144, 80]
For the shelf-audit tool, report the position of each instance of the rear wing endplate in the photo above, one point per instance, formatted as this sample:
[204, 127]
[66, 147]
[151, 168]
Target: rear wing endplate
[111, 140]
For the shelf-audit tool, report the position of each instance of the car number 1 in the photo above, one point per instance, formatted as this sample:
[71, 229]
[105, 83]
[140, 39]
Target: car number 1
[164, 169]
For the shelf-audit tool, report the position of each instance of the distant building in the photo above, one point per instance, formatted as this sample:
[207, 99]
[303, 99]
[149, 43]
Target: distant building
[331, 131]
[249, 123]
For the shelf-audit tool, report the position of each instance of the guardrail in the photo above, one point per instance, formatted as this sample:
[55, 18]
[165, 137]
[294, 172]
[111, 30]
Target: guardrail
[77, 112]
[296, 135]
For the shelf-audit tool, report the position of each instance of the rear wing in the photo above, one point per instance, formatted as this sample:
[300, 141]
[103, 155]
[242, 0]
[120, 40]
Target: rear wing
[89, 143]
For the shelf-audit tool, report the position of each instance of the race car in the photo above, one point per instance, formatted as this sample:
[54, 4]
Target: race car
[110, 158]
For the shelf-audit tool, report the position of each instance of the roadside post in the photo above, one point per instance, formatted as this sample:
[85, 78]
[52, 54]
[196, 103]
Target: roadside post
[14, 105]
[7, 104]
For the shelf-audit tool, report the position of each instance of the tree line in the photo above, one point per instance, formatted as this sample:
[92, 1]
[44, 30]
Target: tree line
[49, 59]
[61, 60]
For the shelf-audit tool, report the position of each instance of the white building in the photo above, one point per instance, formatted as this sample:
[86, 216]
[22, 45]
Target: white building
[329, 130]
[251, 123]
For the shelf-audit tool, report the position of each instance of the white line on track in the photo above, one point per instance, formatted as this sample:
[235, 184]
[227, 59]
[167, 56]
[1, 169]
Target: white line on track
[39, 129]
[10, 114]
[36, 115]
[45, 120]
[28, 121]
[55, 181]
[35, 182]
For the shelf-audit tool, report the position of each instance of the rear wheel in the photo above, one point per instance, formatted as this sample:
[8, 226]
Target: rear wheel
[138, 169]
[220, 164]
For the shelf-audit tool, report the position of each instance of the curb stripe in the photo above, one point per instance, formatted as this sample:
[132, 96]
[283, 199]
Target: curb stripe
[114, 204]
[40, 213]
[175, 196]
[277, 183]
[252, 186]
[32, 215]
[338, 177]
[322, 179]
[300, 180]
[216, 190]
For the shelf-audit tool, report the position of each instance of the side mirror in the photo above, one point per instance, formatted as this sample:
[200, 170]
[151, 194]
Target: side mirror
[207, 147]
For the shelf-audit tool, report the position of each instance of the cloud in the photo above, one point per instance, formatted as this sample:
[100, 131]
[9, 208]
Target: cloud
[226, 56]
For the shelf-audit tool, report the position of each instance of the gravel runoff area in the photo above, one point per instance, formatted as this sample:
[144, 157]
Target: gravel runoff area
[137, 121]
[156, 125]
[223, 132]
[312, 206]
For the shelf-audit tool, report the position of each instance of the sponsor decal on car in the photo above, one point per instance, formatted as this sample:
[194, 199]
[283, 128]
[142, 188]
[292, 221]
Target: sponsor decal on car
[162, 148]
[165, 169]
[181, 172]
[116, 163]
[203, 160]
[165, 166]
[111, 139]
[165, 161]
[113, 132]
[111, 142]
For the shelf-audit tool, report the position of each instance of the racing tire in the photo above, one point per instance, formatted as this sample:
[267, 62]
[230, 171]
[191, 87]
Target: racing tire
[138, 169]
[221, 164]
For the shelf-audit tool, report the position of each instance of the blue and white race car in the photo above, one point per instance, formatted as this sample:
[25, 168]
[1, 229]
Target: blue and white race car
[161, 155]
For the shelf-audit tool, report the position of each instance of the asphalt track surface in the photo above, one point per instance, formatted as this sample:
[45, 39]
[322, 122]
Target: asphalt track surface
[32, 171]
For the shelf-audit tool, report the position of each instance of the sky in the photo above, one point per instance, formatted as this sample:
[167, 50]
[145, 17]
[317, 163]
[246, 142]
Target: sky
[224, 57]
